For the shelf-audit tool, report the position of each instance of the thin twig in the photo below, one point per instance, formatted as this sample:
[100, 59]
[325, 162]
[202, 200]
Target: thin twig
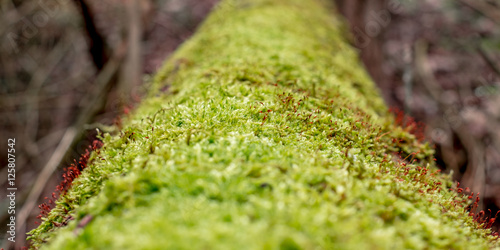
[132, 67]
[44, 176]
[483, 8]
[33, 94]
[493, 65]
[47, 142]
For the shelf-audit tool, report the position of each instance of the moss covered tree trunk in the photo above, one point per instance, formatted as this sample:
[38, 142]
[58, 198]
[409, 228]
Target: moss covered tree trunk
[263, 131]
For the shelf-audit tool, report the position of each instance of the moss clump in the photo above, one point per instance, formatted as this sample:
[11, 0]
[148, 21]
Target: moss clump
[270, 136]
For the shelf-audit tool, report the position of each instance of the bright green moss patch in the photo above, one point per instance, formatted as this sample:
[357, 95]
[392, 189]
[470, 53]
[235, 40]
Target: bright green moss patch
[270, 136]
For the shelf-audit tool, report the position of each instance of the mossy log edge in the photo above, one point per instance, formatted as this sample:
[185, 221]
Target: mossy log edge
[262, 131]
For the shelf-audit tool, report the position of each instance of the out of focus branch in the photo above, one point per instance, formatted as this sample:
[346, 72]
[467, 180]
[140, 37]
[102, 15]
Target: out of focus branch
[33, 95]
[493, 65]
[98, 48]
[483, 8]
[131, 74]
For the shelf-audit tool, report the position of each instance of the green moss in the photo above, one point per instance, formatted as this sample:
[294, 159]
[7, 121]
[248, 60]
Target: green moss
[271, 136]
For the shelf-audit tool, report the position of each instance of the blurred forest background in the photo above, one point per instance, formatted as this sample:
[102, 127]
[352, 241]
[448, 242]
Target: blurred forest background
[68, 67]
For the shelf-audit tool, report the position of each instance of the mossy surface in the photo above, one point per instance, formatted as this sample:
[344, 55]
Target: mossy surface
[263, 132]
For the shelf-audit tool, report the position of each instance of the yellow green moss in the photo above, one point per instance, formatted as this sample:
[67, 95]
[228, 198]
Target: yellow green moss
[262, 132]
